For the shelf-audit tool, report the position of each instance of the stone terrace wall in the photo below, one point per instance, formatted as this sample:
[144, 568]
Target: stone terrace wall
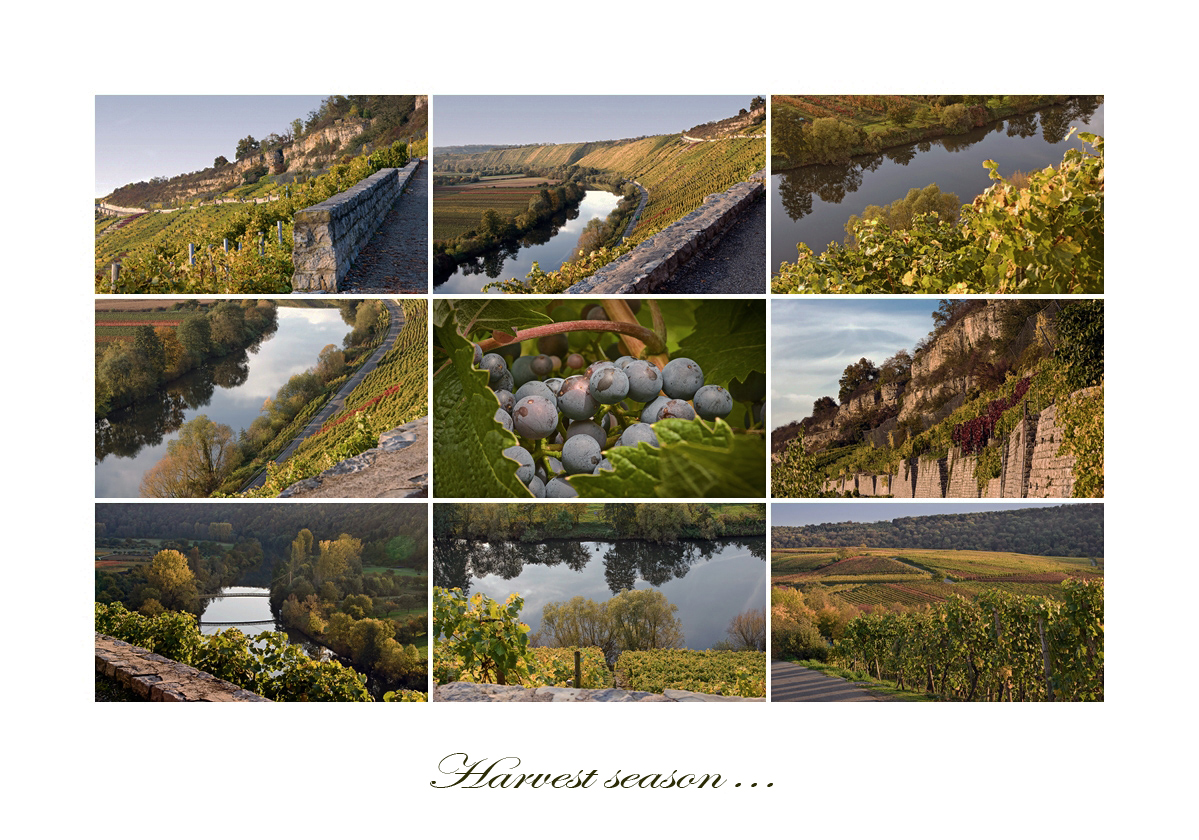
[328, 236]
[1031, 469]
[1049, 475]
[655, 260]
[154, 677]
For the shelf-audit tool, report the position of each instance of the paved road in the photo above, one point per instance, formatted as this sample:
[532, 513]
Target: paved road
[734, 264]
[396, 260]
[636, 213]
[339, 399]
[794, 683]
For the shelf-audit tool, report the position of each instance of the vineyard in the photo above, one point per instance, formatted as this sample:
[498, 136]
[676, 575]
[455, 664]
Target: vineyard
[395, 392]
[459, 208]
[726, 672]
[996, 646]
[898, 578]
[238, 248]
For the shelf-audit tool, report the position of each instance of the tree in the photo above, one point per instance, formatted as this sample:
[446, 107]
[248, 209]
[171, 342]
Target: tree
[860, 373]
[757, 102]
[747, 631]
[830, 140]
[900, 113]
[169, 573]
[220, 160]
[196, 462]
[337, 557]
[195, 335]
[579, 622]
[297, 128]
[247, 146]
[902, 213]
[642, 619]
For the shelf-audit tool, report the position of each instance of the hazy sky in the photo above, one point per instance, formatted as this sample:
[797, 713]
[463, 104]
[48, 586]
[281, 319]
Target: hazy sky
[516, 120]
[141, 137]
[814, 340]
[820, 513]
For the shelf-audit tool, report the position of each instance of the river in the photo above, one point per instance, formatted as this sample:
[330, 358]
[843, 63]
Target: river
[710, 581]
[812, 204]
[549, 248]
[230, 390]
[248, 608]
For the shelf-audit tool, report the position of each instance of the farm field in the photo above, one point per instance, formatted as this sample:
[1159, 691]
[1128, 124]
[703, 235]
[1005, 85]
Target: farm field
[457, 208]
[915, 577]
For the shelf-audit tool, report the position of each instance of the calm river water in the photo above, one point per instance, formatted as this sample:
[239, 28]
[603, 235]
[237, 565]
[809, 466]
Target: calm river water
[548, 254]
[230, 390]
[248, 608]
[710, 581]
[812, 204]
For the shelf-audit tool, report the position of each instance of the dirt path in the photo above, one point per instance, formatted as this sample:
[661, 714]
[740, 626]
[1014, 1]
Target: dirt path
[733, 264]
[794, 683]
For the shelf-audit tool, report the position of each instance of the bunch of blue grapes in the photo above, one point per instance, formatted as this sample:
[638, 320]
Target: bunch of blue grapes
[570, 411]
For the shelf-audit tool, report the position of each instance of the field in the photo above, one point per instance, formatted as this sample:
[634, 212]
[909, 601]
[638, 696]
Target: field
[909, 578]
[457, 209]
[113, 325]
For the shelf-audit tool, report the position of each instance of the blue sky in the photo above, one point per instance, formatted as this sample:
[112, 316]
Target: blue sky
[516, 120]
[819, 513]
[141, 137]
[813, 340]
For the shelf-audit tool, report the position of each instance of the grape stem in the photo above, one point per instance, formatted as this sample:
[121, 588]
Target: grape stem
[652, 342]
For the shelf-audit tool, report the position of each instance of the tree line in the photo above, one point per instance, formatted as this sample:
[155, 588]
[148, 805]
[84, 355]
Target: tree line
[1062, 531]
[130, 370]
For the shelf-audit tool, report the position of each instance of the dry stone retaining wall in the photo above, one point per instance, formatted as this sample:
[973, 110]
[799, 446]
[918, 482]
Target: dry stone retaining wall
[1031, 468]
[154, 677]
[329, 236]
[655, 261]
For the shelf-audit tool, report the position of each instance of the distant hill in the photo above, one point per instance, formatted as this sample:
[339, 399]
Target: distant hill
[1063, 531]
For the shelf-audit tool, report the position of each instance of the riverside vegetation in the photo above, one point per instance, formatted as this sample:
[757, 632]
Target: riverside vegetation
[1017, 370]
[651, 422]
[362, 597]
[677, 174]
[1038, 233]
[631, 640]
[949, 623]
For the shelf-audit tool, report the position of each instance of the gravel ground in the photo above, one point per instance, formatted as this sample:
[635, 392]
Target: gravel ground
[397, 257]
[734, 264]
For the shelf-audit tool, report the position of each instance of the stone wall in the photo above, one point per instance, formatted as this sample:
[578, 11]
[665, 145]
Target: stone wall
[1031, 468]
[329, 235]
[484, 693]
[655, 260]
[154, 677]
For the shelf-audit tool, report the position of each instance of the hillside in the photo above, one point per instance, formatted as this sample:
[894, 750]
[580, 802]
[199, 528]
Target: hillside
[993, 380]
[343, 126]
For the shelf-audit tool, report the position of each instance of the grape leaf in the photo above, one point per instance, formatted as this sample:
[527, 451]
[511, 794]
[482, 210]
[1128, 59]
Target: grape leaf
[694, 460]
[468, 443]
[729, 340]
[482, 316]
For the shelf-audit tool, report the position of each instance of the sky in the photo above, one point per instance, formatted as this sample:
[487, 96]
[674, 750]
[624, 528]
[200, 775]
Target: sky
[517, 120]
[814, 340]
[820, 513]
[142, 137]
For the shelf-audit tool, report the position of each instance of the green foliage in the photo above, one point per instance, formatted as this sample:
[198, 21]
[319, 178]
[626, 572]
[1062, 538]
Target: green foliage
[478, 639]
[1081, 418]
[265, 664]
[725, 672]
[1046, 238]
[997, 647]
[794, 474]
[1080, 347]
[556, 666]
[899, 214]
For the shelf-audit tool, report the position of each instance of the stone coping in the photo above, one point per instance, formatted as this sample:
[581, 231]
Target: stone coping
[653, 262]
[154, 677]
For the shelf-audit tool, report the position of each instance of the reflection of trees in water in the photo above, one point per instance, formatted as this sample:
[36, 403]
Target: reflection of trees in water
[127, 431]
[455, 562]
[832, 183]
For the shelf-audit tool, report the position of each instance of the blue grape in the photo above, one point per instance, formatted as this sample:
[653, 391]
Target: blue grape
[580, 454]
[609, 385]
[558, 488]
[645, 381]
[575, 400]
[503, 418]
[680, 409]
[681, 378]
[534, 417]
[589, 428]
[649, 414]
[712, 401]
[522, 457]
[637, 433]
[506, 399]
[535, 388]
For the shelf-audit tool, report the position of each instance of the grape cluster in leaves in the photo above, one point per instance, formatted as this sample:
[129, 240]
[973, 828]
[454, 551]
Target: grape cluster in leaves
[720, 457]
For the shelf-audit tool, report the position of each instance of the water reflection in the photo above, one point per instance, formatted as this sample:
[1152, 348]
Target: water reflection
[814, 202]
[549, 245]
[710, 581]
